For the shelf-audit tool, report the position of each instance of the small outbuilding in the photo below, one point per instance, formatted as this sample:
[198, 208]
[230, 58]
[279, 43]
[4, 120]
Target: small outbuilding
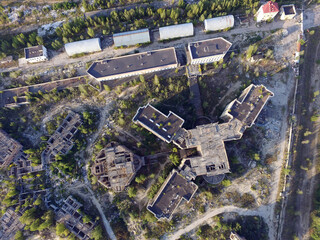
[84, 46]
[287, 12]
[267, 11]
[208, 51]
[131, 38]
[176, 31]
[218, 23]
[36, 54]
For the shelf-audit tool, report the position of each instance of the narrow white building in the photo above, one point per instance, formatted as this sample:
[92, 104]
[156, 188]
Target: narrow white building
[287, 12]
[84, 46]
[208, 51]
[176, 31]
[218, 23]
[267, 11]
[36, 54]
[131, 38]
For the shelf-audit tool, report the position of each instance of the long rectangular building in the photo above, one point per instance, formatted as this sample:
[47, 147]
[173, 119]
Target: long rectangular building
[173, 190]
[134, 64]
[131, 38]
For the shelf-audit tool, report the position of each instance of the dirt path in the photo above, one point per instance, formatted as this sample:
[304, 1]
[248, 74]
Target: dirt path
[214, 212]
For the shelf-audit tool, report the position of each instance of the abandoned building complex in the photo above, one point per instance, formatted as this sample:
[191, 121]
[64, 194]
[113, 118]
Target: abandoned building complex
[36, 54]
[208, 51]
[168, 198]
[60, 142]
[207, 141]
[10, 224]
[70, 215]
[134, 64]
[115, 166]
[10, 149]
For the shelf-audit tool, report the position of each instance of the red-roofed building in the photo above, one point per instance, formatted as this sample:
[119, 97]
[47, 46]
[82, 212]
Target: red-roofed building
[267, 11]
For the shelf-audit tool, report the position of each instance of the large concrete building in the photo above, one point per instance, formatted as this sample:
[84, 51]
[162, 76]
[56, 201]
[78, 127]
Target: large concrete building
[84, 46]
[10, 224]
[131, 38]
[36, 54]
[174, 189]
[208, 51]
[134, 64]
[206, 143]
[10, 149]
[267, 11]
[218, 23]
[176, 31]
[115, 167]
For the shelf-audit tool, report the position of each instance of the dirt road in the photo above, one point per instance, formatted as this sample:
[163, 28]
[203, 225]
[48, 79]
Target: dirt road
[214, 212]
[299, 198]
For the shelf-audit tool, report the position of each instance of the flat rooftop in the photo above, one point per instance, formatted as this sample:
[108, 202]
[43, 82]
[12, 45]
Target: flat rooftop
[32, 52]
[133, 63]
[174, 189]
[289, 10]
[250, 103]
[164, 126]
[210, 47]
[122, 34]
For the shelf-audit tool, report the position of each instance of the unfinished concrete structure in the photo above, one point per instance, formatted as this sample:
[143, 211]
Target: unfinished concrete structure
[23, 166]
[60, 142]
[73, 220]
[10, 149]
[209, 157]
[115, 166]
[168, 198]
[207, 141]
[10, 224]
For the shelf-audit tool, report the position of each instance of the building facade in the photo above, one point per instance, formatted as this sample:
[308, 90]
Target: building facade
[267, 11]
[208, 51]
[36, 54]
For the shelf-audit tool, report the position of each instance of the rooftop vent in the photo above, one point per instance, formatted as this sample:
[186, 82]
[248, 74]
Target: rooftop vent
[206, 49]
[217, 46]
[149, 53]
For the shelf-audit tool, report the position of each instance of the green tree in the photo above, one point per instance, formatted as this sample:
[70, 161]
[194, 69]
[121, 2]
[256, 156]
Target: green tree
[29, 216]
[174, 158]
[19, 235]
[61, 230]
[35, 225]
[97, 233]
[90, 32]
[132, 192]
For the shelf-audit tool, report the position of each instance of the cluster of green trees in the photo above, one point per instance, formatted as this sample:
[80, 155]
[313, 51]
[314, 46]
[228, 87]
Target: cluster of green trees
[315, 216]
[64, 5]
[3, 16]
[37, 219]
[11, 45]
